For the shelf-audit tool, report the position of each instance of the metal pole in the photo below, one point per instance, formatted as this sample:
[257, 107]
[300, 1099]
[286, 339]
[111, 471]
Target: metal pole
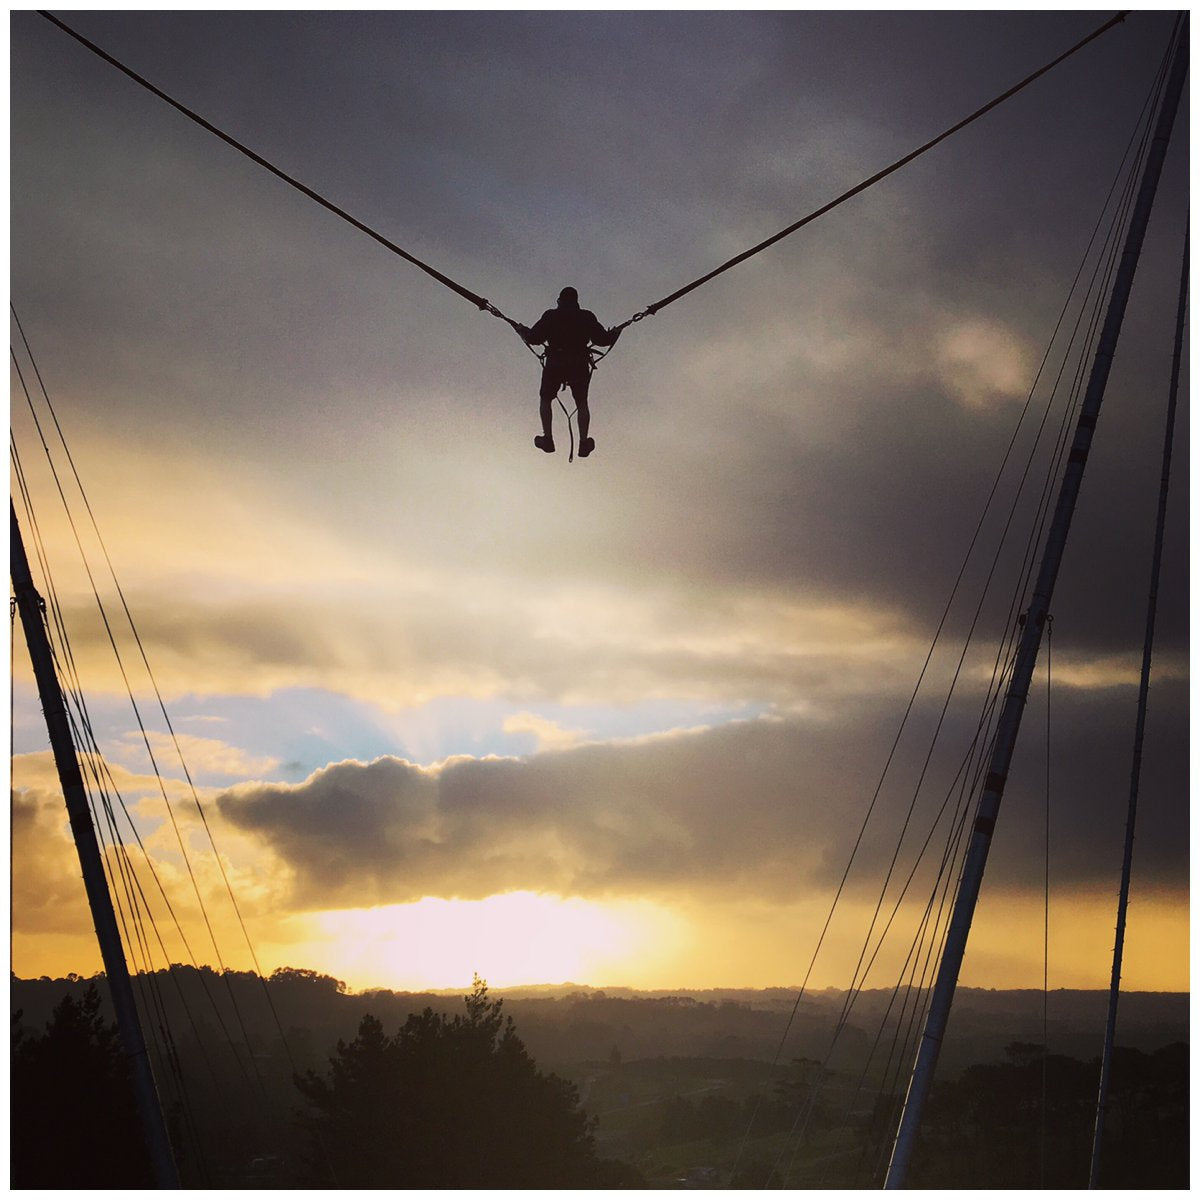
[1114, 988]
[1027, 650]
[111, 951]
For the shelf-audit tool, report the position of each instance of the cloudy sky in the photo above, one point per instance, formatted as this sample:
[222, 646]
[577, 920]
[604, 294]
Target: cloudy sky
[452, 705]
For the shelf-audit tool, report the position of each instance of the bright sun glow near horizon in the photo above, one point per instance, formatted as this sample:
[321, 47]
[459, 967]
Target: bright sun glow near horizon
[526, 938]
[510, 940]
[522, 939]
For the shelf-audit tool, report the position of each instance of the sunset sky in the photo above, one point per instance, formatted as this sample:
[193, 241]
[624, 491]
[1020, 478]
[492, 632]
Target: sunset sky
[452, 705]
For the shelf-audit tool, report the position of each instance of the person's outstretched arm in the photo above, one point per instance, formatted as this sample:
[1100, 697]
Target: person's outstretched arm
[599, 336]
[538, 334]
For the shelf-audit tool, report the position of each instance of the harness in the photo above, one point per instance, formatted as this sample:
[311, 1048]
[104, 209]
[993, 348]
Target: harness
[594, 355]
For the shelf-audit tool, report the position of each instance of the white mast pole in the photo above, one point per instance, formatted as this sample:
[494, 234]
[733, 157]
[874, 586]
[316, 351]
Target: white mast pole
[1114, 991]
[112, 952]
[1027, 650]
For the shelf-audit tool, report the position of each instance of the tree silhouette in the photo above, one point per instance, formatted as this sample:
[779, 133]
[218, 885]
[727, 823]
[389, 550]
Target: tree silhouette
[986, 1127]
[74, 1119]
[450, 1102]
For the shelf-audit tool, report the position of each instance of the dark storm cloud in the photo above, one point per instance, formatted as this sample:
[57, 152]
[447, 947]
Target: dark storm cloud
[889, 516]
[786, 432]
[766, 809]
[489, 139]
[1090, 778]
[45, 868]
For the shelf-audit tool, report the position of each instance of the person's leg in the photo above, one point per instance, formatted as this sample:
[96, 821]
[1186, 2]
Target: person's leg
[579, 389]
[546, 394]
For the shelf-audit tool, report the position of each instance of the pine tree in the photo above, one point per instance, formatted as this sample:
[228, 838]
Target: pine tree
[449, 1102]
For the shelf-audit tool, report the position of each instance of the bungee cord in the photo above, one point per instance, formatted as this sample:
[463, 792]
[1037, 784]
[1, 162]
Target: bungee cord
[651, 309]
[659, 305]
[445, 280]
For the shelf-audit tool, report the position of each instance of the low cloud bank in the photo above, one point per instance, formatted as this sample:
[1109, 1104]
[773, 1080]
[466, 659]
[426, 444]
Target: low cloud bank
[767, 808]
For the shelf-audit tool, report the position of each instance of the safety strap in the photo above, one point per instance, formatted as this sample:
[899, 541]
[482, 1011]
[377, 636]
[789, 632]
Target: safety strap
[658, 305]
[479, 301]
[570, 426]
[466, 293]
[594, 357]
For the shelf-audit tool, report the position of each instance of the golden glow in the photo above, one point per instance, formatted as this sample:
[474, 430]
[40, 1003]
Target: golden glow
[549, 735]
[981, 361]
[1006, 942]
[511, 939]
[528, 938]
[675, 941]
[756, 945]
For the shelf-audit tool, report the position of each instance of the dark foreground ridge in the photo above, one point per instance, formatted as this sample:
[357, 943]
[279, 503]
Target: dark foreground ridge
[633, 1088]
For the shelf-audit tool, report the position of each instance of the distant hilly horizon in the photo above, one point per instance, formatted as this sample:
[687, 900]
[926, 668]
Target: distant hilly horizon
[614, 990]
[569, 1023]
[544, 989]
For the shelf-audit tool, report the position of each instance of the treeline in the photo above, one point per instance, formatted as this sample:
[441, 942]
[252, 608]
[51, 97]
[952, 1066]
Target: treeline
[1022, 1123]
[446, 1101]
[566, 1026]
[1028, 1123]
[295, 1082]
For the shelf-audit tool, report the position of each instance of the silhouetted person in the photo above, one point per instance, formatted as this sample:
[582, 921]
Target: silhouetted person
[567, 333]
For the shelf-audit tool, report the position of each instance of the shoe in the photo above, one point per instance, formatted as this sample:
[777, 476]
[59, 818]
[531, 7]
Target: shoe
[542, 442]
[586, 447]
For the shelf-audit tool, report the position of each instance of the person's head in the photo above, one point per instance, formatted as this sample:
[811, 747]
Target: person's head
[568, 298]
